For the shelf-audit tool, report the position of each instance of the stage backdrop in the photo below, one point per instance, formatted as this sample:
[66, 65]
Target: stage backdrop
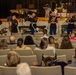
[7, 5]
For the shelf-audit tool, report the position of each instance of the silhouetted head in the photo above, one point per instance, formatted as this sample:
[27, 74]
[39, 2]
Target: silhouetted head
[28, 40]
[20, 42]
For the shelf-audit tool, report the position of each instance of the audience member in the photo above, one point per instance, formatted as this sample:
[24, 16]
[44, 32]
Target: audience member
[12, 40]
[45, 34]
[13, 59]
[66, 43]
[43, 44]
[21, 46]
[51, 39]
[52, 61]
[23, 69]
[29, 40]
[3, 44]
[52, 42]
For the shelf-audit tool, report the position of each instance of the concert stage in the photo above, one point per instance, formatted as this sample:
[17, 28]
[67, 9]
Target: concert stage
[41, 23]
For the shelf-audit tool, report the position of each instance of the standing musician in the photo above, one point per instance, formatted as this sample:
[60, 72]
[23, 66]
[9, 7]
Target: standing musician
[13, 25]
[33, 20]
[71, 24]
[53, 21]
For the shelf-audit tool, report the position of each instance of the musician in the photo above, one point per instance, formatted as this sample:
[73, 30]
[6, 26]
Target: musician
[47, 10]
[33, 20]
[14, 24]
[53, 25]
[71, 25]
[52, 14]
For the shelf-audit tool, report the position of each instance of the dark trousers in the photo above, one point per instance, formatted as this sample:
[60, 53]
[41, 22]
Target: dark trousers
[62, 64]
[52, 31]
[32, 31]
[69, 31]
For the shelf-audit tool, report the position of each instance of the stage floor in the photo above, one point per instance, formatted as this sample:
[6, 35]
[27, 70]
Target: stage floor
[39, 19]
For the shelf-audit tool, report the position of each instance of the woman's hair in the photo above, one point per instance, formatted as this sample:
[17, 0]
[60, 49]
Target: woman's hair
[66, 43]
[3, 44]
[43, 43]
[13, 59]
[20, 42]
[23, 69]
[49, 61]
[51, 40]
[28, 40]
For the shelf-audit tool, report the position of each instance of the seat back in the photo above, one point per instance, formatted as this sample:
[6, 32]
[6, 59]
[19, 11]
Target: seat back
[73, 59]
[8, 70]
[1, 70]
[12, 46]
[31, 46]
[59, 57]
[55, 70]
[38, 34]
[40, 52]
[4, 52]
[69, 70]
[3, 60]
[67, 52]
[62, 58]
[29, 59]
[24, 52]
